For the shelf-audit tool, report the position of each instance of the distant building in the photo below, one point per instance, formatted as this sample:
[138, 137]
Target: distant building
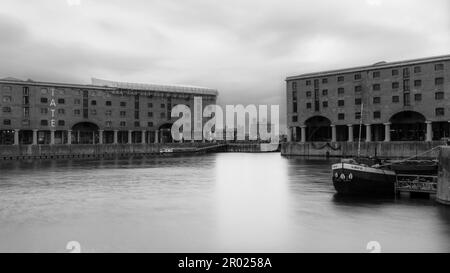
[402, 101]
[104, 112]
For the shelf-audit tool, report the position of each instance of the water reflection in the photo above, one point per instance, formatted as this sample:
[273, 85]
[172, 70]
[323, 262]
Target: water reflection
[217, 202]
[252, 203]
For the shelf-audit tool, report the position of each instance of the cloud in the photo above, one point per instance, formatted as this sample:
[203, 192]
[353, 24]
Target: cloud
[73, 2]
[243, 48]
[12, 31]
[374, 2]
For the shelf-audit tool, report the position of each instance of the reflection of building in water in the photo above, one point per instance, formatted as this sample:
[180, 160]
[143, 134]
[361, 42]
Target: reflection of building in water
[105, 112]
[397, 101]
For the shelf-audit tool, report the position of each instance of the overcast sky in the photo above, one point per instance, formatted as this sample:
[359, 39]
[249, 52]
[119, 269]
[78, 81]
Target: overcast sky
[243, 48]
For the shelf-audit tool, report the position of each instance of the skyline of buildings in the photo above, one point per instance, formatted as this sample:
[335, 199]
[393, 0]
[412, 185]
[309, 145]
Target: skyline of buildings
[404, 100]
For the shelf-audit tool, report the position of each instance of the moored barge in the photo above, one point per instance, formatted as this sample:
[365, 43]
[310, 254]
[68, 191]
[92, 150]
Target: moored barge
[373, 177]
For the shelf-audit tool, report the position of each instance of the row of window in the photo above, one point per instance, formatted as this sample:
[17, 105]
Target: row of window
[25, 99]
[76, 112]
[108, 124]
[124, 124]
[25, 122]
[377, 100]
[376, 87]
[94, 102]
[375, 74]
[45, 91]
[376, 115]
[57, 91]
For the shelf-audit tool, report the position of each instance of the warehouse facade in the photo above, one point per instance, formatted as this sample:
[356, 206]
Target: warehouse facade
[105, 112]
[396, 101]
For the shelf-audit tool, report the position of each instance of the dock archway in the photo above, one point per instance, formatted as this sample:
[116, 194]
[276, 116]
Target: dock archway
[408, 126]
[85, 133]
[165, 135]
[318, 128]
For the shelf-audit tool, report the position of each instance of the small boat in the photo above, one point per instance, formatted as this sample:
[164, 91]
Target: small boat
[166, 150]
[178, 151]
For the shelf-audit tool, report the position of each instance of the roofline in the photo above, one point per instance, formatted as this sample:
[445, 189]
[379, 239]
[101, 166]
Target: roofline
[156, 87]
[369, 67]
[198, 90]
[37, 83]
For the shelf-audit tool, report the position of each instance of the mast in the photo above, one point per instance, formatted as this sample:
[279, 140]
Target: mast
[360, 129]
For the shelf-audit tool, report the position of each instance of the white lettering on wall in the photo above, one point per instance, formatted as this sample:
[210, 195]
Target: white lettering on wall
[52, 109]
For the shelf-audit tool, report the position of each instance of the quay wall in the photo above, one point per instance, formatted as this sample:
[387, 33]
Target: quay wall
[401, 149]
[18, 152]
[443, 188]
[250, 148]
[10, 152]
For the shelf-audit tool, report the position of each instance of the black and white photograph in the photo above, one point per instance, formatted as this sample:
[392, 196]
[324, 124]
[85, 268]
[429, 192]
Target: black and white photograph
[251, 127]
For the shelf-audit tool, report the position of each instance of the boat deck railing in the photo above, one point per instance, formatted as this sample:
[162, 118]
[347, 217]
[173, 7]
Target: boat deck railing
[416, 183]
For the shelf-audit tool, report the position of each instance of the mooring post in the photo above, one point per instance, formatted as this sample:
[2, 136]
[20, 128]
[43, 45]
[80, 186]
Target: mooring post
[443, 187]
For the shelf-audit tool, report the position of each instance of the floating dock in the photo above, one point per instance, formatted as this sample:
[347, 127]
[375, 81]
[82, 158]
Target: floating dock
[416, 183]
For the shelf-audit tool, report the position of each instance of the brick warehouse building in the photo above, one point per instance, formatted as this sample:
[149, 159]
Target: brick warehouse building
[395, 101]
[105, 112]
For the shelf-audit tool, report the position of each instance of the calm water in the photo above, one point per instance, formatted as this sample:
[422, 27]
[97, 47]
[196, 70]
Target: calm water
[220, 202]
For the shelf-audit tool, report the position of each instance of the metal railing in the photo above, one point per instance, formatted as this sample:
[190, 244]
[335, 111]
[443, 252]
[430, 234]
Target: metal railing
[416, 183]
